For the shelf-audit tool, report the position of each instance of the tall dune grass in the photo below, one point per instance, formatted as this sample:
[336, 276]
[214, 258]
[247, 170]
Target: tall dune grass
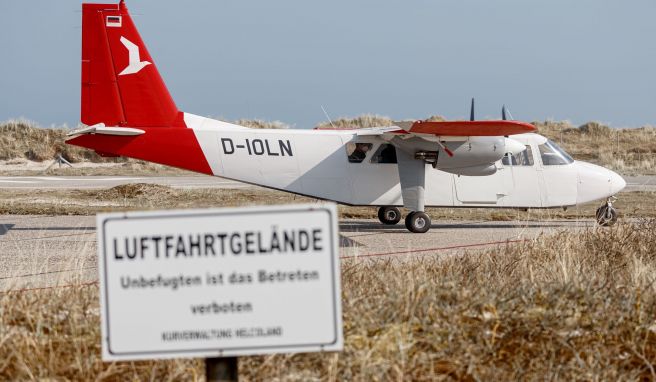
[571, 306]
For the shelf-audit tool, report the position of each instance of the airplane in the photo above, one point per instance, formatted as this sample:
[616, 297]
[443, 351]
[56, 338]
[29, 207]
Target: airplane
[129, 112]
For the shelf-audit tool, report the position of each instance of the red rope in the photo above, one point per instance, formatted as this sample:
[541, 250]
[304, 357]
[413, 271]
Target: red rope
[434, 249]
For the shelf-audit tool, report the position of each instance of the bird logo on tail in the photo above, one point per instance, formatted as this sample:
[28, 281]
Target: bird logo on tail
[134, 61]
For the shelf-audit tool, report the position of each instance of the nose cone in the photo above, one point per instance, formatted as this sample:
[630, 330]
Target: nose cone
[617, 183]
[596, 182]
[514, 147]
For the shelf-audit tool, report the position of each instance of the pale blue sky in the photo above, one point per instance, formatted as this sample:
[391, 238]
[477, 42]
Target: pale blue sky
[281, 60]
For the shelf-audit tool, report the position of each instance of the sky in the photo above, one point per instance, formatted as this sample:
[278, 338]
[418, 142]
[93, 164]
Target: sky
[283, 60]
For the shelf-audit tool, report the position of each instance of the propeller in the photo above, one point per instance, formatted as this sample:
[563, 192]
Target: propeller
[505, 114]
[471, 113]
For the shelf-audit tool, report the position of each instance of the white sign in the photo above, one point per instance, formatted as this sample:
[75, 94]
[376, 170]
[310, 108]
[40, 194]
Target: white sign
[219, 282]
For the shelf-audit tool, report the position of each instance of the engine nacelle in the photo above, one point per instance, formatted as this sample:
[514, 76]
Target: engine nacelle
[477, 151]
[472, 156]
[482, 170]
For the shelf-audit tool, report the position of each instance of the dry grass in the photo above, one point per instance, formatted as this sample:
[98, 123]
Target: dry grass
[362, 121]
[260, 124]
[23, 139]
[572, 306]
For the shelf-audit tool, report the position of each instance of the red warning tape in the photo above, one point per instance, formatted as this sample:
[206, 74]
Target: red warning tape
[435, 249]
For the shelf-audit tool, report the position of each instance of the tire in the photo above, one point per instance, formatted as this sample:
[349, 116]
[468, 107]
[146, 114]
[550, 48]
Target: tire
[417, 222]
[389, 215]
[606, 216]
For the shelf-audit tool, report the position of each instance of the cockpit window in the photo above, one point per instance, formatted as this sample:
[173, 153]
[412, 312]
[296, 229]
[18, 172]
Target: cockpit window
[386, 153]
[525, 158]
[356, 152]
[552, 155]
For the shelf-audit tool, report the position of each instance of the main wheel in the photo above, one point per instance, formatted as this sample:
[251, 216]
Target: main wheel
[389, 215]
[606, 216]
[417, 222]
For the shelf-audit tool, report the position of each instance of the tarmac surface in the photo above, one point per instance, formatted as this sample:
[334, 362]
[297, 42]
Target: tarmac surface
[47, 251]
[634, 183]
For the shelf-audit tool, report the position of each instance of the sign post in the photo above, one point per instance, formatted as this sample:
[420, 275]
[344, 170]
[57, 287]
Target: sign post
[221, 369]
[219, 283]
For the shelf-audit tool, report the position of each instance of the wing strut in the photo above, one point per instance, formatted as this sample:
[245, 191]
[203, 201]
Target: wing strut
[412, 174]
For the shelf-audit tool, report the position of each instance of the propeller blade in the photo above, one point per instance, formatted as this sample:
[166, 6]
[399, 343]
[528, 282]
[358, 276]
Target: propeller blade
[471, 113]
[505, 114]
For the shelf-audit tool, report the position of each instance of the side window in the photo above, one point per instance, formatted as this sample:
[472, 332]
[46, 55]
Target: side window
[525, 158]
[356, 152]
[386, 153]
[552, 155]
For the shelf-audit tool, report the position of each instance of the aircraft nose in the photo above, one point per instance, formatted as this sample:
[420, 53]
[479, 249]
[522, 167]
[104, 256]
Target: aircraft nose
[596, 182]
[617, 183]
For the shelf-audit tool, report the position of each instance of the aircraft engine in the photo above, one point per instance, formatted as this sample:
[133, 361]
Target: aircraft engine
[473, 156]
[476, 156]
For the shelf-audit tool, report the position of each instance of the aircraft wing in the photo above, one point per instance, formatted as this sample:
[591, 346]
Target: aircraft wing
[467, 128]
[379, 130]
[450, 128]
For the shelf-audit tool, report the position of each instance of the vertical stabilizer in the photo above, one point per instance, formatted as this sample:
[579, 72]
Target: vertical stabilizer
[120, 82]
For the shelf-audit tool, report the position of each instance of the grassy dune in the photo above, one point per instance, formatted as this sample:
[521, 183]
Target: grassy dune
[22, 139]
[629, 151]
[562, 307]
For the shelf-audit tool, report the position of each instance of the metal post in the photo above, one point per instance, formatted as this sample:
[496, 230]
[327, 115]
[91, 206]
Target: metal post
[221, 369]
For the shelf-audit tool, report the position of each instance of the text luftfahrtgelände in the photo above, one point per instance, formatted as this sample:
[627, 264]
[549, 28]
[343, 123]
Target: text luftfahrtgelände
[290, 241]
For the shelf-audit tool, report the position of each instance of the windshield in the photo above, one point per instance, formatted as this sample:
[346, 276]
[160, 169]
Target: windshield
[552, 155]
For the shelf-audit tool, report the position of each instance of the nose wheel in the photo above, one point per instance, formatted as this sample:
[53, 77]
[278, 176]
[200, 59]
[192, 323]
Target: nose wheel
[607, 214]
[389, 215]
[417, 222]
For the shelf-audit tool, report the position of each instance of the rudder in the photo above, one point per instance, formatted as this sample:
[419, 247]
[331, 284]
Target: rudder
[121, 85]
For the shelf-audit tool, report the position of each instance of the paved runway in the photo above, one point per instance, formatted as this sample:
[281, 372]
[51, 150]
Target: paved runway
[634, 183]
[43, 251]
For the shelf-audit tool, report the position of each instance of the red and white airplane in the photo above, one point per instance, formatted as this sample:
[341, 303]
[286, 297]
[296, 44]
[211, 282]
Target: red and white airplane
[129, 112]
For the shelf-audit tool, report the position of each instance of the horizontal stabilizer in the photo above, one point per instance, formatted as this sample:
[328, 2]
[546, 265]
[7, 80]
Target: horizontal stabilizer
[471, 128]
[102, 129]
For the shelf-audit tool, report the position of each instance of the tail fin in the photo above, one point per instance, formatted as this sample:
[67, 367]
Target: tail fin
[120, 82]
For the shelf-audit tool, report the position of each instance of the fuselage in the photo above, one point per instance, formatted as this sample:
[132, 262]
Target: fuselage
[322, 164]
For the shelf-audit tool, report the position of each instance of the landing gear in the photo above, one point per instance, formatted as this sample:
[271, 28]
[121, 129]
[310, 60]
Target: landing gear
[607, 214]
[389, 215]
[417, 222]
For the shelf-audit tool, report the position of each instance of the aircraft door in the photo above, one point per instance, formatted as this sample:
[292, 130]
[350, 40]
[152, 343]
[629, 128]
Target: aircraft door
[507, 183]
[521, 179]
[478, 189]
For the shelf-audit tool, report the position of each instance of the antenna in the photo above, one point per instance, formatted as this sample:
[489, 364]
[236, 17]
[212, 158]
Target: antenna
[327, 116]
[471, 113]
